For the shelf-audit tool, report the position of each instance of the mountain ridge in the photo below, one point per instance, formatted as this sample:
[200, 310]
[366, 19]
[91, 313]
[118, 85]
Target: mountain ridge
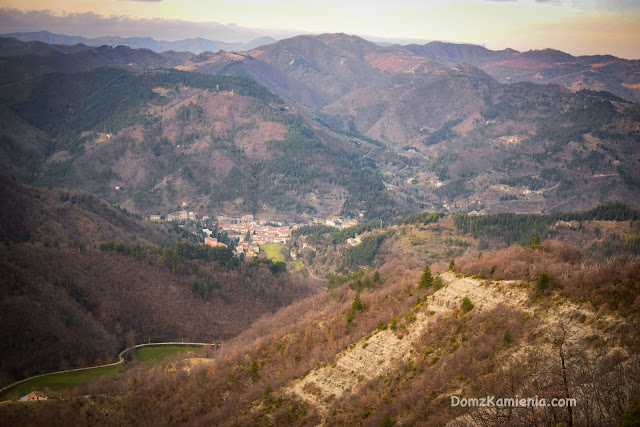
[195, 45]
[400, 133]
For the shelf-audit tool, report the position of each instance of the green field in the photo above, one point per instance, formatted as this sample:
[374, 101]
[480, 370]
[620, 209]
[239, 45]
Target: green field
[54, 382]
[272, 250]
[57, 382]
[159, 353]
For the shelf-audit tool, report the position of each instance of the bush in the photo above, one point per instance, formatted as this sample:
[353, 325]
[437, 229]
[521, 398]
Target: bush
[387, 421]
[466, 305]
[507, 340]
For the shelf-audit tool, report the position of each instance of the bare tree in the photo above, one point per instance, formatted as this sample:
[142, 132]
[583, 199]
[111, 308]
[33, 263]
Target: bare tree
[560, 339]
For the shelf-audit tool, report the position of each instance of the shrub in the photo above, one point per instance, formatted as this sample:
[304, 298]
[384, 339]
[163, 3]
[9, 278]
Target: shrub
[506, 340]
[466, 305]
[387, 421]
[437, 283]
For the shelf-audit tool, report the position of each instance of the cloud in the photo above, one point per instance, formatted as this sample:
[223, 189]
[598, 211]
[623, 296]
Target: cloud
[594, 4]
[93, 25]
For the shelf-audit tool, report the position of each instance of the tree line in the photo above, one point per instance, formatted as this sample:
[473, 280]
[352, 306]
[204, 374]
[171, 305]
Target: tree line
[520, 228]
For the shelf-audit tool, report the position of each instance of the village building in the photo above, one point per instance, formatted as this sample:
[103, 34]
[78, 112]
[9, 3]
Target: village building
[34, 395]
[213, 242]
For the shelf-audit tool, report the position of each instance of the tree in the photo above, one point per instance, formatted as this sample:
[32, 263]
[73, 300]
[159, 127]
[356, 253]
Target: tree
[357, 303]
[466, 305]
[452, 264]
[426, 279]
[376, 277]
[254, 371]
[437, 283]
[507, 338]
[367, 282]
[387, 421]
[560, 339]
[631, 415]
[543, 281]
[535, 242]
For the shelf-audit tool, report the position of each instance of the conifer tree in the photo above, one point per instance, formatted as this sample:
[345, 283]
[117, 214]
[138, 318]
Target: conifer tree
[426, 279]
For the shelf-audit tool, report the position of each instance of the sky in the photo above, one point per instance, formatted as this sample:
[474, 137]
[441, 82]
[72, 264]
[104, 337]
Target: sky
[579, 27]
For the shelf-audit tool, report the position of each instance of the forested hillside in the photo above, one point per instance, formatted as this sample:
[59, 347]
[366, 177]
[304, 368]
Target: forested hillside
[393, 345]
[167, 137]
[449, 136]
[26, 60]
[380, 131]
[82, 279]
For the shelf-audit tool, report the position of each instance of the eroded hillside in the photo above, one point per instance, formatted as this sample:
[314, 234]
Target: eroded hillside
[397, 351]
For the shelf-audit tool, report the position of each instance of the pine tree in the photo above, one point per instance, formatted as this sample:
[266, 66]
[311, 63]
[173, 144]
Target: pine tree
[254, 371]
[357, 303]
[543, 281]
[426, 279]
[535, 242]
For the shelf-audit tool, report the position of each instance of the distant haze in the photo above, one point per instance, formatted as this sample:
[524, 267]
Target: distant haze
[584, 27]
[91, 25]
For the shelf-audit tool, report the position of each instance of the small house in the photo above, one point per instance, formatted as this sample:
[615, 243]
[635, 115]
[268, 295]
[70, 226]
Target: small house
[34, 395]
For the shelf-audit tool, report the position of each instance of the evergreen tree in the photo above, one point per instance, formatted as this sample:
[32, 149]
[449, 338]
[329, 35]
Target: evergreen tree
[426, 279]
[376, 277]
[535, 242]
[357, 303]
[254, 371]
[543, 281]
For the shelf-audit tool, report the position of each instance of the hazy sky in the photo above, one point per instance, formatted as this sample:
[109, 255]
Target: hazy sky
[578, 27]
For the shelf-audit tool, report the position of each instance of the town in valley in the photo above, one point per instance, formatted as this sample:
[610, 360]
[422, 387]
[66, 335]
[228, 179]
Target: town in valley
[248, 232]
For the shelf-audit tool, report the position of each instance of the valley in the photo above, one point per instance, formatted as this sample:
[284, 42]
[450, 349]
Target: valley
[363, 232]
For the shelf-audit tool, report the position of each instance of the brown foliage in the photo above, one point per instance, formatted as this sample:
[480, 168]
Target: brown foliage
[613, 282]
[65, 307]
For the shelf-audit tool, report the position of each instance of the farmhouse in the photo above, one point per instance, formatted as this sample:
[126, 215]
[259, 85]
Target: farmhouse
[34, 395]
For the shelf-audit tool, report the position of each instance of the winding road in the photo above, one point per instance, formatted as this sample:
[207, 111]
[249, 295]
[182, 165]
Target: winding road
[120, 360]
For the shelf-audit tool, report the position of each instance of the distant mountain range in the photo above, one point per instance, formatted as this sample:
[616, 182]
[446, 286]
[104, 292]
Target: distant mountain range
[597, 72]
[372, 130]
[196, 45]
[312, 56]
[25, 60]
